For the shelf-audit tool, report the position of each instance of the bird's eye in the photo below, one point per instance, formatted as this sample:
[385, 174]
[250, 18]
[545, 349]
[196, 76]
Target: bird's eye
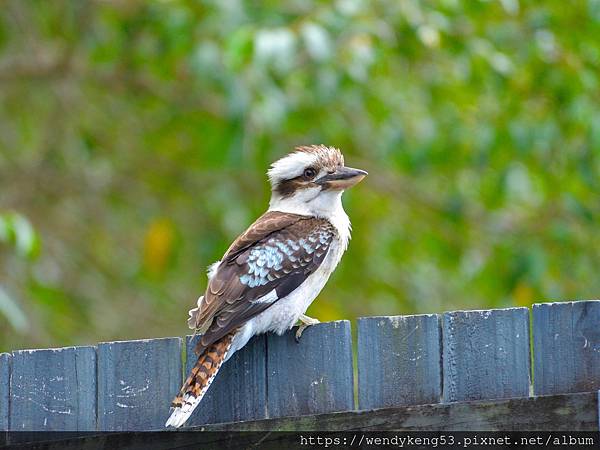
[310, 173]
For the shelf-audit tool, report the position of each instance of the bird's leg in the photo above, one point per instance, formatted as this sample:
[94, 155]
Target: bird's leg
[306, 322]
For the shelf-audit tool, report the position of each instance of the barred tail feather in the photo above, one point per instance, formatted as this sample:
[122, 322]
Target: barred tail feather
[199, 380]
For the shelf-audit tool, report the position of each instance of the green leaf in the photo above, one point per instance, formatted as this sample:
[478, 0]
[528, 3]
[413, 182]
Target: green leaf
[17, 230]
[5, 229]
[26, 239]
[10, 309]
[239, 48]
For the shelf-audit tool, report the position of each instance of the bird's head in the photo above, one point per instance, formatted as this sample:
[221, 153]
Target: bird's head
[311, 179]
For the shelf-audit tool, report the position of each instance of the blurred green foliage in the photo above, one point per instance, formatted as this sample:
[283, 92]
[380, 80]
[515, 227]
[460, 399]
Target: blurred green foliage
[16, 231]
[135, 136]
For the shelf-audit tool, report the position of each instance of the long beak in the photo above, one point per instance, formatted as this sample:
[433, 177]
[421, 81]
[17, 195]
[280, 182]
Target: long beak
[342, 178]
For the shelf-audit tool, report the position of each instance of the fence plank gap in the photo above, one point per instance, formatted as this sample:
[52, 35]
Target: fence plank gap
[53, 389]
[566, 347]
[399, 361]
[137, 381]
[312, 376]
[239, 391]
[486, 354]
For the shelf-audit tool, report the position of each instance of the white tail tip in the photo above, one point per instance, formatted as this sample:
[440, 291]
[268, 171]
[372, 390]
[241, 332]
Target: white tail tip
[182, 413]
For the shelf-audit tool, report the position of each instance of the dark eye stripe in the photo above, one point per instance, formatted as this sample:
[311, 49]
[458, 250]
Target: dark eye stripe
[286, 188]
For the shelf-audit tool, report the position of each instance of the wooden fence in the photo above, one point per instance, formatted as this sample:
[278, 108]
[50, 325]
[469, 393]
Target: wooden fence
[402, 361]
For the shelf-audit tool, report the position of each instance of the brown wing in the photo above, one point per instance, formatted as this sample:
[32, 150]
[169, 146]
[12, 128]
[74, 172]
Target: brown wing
[266, 263]
[266, 224]
[269, 222]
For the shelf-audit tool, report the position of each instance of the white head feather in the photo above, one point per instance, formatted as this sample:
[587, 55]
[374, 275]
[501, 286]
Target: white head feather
[291, 166]
[310, 200]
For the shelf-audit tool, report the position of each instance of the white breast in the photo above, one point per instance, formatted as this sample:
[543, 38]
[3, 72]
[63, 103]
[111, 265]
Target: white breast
[284, 313]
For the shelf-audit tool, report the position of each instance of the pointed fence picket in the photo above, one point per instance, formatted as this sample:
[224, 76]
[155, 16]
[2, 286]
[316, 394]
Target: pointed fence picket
[401, 360]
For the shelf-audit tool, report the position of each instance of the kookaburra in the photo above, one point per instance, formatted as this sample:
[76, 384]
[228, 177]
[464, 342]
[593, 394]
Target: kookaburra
[274, 270]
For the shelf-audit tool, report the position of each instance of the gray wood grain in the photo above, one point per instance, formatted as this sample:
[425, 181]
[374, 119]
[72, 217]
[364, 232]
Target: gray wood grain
[399, 361]
[566, 346]
[563, 412]
[5, 363]
[486, 354]
[312, 376]
[137, 381]
[53, 389]
[239, 391]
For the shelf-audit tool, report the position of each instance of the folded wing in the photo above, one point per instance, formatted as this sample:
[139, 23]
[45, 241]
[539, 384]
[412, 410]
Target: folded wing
[270, 260]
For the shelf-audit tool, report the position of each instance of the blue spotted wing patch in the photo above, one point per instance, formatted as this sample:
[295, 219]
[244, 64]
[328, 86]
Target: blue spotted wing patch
[281, 255]
[277, 253]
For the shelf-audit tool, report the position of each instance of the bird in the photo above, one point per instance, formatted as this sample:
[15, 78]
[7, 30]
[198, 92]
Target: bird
[274, 270]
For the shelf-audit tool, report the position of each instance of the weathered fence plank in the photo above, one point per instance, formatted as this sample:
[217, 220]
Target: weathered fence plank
[486, 354]
[566, 344]
[399, 361]
[137, 381]
[312, 376]
[565, 412]
[568, 413]
[53, 389]
[239, 392]
[4, 390]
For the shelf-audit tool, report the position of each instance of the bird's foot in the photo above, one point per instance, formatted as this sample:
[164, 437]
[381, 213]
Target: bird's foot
[306, 322]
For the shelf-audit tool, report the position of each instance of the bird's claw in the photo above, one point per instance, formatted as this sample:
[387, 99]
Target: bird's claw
[305, 323]
[299, 332]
